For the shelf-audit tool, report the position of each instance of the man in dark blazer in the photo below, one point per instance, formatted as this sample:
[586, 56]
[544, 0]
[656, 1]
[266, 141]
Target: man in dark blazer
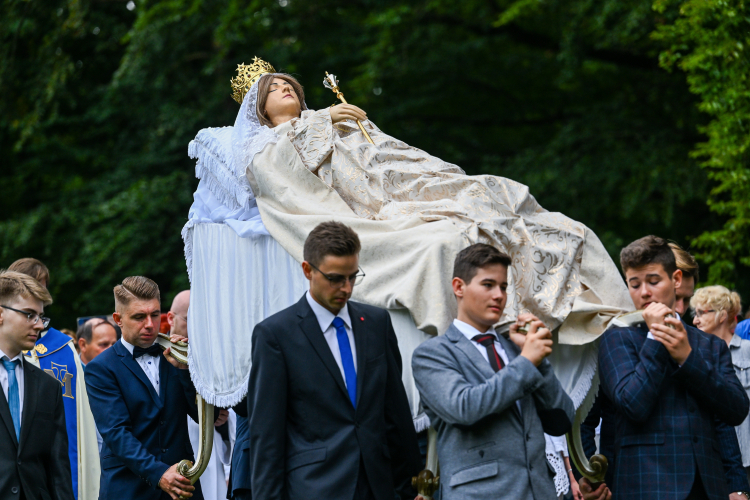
[328, 414]
[140, 400]
[604, 412]
[668, 382]
[34, 461]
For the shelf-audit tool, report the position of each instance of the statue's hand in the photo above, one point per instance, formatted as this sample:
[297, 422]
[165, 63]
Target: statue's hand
[343, 112]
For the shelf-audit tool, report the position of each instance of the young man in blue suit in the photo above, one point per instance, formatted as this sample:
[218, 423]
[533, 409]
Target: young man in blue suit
[328, 413]
[668, 383]
[489, 398]
[140, 400]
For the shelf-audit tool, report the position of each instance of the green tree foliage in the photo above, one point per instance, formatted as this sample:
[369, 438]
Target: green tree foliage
[100, 100]
[709, 41]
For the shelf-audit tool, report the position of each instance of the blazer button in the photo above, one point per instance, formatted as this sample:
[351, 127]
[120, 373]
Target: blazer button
[163, 450]
[528, 437]
[14, 490]
[161, 422]
[695, 439]
[19, 462]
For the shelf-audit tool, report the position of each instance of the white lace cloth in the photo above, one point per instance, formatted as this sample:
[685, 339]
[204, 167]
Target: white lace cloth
[557, 449]
[224, 194]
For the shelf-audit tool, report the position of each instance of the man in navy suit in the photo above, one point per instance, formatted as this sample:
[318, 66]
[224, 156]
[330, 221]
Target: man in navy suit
[668, 383]
[140, 402]
[328, 413]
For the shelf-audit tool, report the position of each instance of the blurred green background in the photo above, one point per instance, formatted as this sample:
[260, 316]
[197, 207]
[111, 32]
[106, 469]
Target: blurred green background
[629, 116]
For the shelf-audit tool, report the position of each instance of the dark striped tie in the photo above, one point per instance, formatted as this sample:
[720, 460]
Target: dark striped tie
[488, 341]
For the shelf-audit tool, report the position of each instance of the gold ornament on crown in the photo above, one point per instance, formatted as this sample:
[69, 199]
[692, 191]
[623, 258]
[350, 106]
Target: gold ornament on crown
[247, 75]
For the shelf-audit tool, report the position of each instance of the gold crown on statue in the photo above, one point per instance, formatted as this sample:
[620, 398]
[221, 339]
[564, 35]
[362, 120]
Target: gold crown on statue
[247, 75]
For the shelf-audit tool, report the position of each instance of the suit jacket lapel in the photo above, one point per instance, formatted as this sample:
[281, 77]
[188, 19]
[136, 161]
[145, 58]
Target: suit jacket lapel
[5, 415]
[311, 328]
[465, 345]
[510, 350]
[133, 366]
[360, 343]
[29, 401]
[163, 378]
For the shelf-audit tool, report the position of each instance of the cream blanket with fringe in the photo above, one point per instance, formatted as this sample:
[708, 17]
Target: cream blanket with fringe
[413, 213]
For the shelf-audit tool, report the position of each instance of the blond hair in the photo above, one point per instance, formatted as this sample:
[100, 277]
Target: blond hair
[14, 284]
[32, 267]
[685, 262]
[135, 288]
[719, 298]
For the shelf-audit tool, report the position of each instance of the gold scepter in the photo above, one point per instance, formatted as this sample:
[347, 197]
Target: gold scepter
[332, 83]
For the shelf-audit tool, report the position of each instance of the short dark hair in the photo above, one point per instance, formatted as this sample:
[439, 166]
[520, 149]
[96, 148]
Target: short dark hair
[31, 267]
[648, 250]
[330, 238]
[477, 256]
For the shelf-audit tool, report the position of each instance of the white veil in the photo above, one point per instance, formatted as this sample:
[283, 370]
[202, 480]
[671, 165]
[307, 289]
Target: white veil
[238, 274]
[224, 194]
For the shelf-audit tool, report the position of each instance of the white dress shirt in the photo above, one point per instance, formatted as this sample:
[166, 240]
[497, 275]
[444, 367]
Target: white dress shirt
[19, 379]
[470, 332]
[150, 364]
[325, 320]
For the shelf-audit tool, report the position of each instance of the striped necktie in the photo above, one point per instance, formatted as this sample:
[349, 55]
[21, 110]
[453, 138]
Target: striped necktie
[488, 341]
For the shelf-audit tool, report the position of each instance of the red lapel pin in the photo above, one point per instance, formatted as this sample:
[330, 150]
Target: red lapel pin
[362, 318]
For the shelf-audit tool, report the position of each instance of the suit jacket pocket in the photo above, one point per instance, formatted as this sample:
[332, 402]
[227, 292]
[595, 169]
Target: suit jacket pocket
[474, 473]
[642, 439]
[305, 457]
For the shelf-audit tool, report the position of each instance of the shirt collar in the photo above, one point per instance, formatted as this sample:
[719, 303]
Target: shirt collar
[19, 357]
[127, 345]
[324, 316]
[130, 346]
[470, 332]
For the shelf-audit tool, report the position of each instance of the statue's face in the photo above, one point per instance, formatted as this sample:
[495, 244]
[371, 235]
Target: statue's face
[282, 103]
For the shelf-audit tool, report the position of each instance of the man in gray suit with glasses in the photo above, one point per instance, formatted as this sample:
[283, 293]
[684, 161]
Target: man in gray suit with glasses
[491, 399]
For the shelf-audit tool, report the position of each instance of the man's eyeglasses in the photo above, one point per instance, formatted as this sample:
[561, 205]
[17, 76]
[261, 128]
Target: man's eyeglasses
[31, 317]
[337, 280]
[698, 313]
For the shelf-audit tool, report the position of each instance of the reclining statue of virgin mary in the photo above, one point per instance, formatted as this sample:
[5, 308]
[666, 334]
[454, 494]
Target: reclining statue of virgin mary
[282, 169]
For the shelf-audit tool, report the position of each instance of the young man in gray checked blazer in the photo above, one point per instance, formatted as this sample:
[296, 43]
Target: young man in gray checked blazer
[491, 399]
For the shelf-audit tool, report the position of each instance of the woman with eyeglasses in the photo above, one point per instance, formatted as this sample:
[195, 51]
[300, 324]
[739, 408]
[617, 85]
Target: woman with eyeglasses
[715, 310]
